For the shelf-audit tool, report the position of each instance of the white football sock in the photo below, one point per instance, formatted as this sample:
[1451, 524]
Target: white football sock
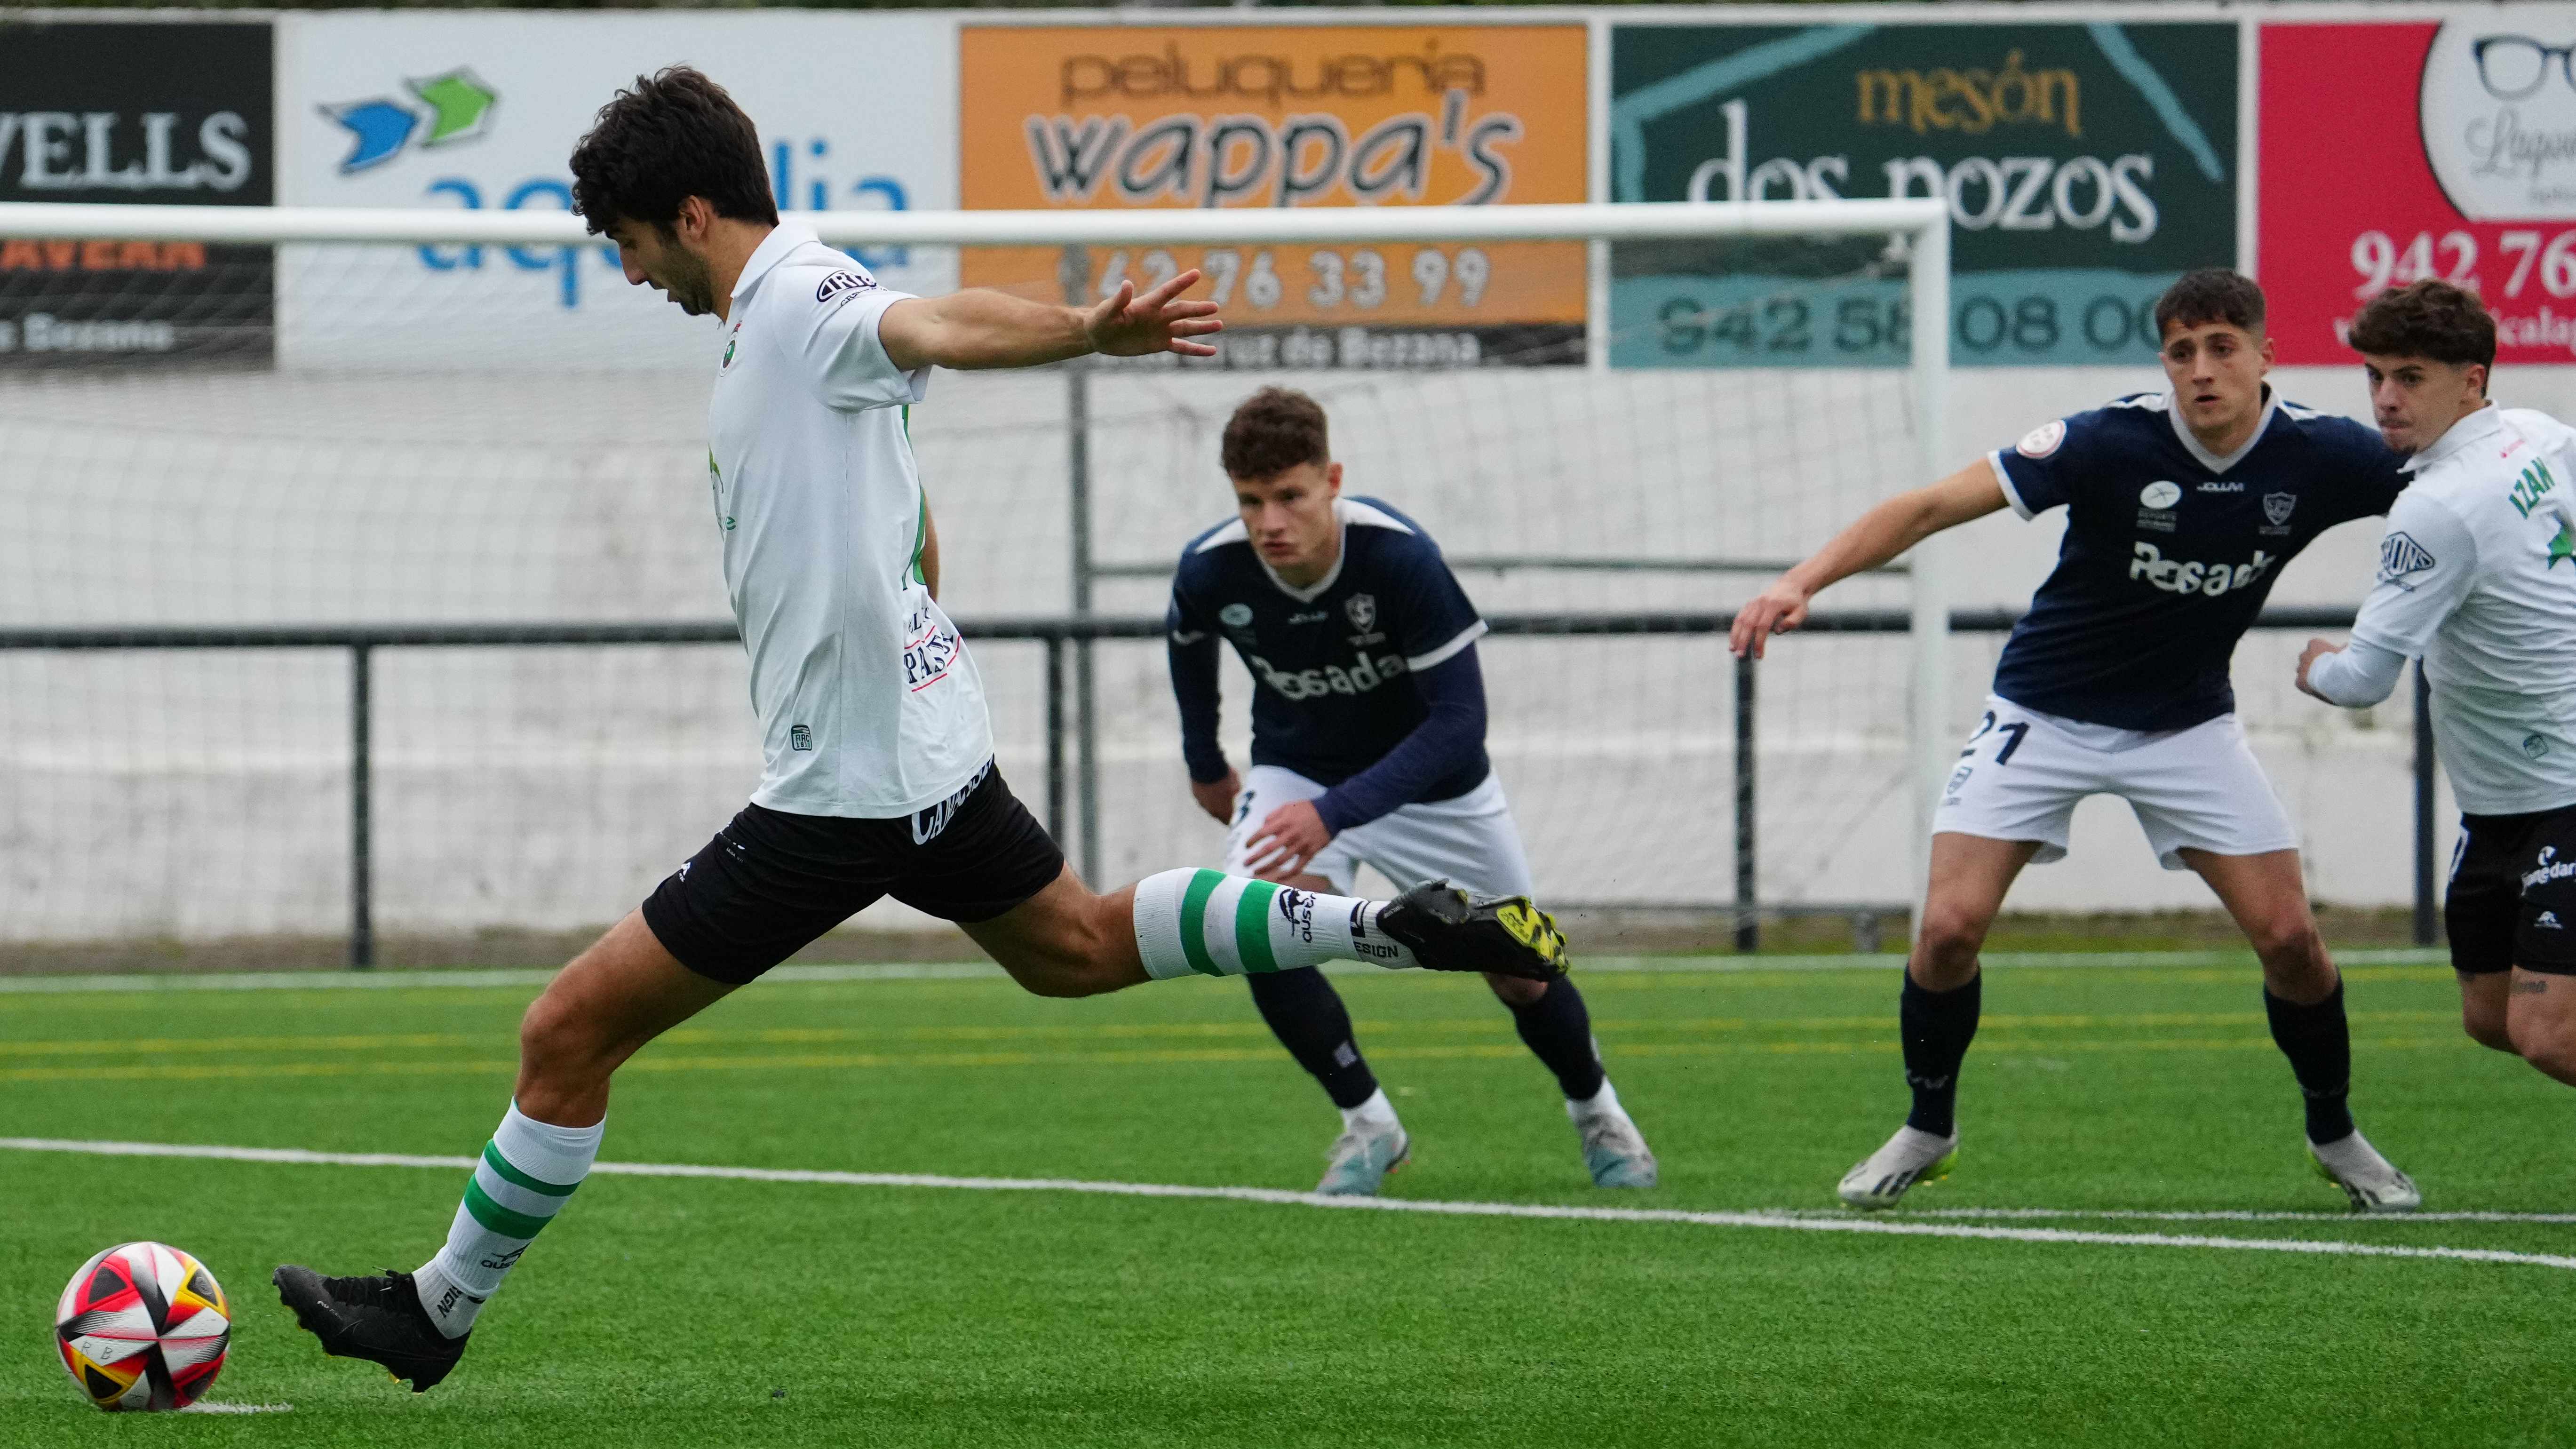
[1604, 1103]
[1377, 1114]
[1213, 924]
[529, 1169]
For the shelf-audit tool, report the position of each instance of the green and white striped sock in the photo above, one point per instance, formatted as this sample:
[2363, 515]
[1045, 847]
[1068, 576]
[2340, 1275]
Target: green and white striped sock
[1208, 923]
[528, 1171]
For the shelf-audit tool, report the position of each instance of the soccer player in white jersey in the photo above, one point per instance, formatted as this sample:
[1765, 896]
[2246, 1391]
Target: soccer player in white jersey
[2477, 578]
[2182, 508]
[879, 777]
[1368, 746]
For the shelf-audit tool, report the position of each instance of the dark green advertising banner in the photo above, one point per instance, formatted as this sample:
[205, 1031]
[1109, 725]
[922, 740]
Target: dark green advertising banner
[2086, 166]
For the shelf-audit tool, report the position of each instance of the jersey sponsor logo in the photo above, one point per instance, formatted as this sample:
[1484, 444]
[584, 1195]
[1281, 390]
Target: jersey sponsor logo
[840, 282]
[2528, 489]
[2043, 440]
[1362, 609]
[1363, 675]
[2562, 546]
[2548, 868]
[2160, 495]
[2190, 576]
[2233, 485]
[2401, 557]
[1234, 616]
[930, 653]
[2277, 506]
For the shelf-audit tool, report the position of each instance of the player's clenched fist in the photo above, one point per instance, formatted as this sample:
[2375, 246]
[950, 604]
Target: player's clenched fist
[1216, 797]
[1776, 610]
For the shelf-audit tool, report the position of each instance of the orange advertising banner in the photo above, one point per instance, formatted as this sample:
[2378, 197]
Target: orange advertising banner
[1087, 117]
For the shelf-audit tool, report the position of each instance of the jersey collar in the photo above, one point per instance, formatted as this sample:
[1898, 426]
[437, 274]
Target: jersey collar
[1332, 576]
[2477, 426]
[2207, 459]
[783, 238]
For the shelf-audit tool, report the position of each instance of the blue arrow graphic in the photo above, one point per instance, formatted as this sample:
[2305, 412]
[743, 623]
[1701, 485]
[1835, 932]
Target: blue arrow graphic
[379, 128]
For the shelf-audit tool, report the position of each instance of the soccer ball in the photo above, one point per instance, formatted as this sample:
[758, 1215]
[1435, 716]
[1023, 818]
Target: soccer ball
[143, 1326]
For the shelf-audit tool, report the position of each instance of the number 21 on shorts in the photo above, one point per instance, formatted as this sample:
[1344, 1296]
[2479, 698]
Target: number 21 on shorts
[2016, 730]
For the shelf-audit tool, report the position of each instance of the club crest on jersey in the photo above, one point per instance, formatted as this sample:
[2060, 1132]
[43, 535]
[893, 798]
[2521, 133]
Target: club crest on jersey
[2160, 495]
[2043, 440]
[730, 339]
[1363, 611]
[2277, 506]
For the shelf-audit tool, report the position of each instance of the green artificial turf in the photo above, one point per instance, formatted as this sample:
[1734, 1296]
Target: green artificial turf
[712, 1312]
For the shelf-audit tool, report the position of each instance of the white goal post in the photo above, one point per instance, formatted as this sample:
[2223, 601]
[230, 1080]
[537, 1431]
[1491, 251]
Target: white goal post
[1918, 254]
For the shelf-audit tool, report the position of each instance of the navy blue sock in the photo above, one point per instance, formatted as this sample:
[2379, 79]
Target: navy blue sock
[1307, 1015]
[2318, 1043]
[1558, 1029]
[1937, 1027]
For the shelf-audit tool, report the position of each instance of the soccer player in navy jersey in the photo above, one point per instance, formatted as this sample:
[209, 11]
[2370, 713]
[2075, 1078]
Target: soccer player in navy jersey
[2182, 508]
[1368, 745]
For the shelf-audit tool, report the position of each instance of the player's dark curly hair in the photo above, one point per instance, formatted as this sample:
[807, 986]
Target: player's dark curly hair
[2431, 318]
[2211, 294]
[1276, 429]
[674, 136]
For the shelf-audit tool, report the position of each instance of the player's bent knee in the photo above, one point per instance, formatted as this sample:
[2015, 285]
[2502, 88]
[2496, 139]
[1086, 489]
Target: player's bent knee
[2544, 1043]
[558, 1041]
[2488, 1029]
[1953, 934]
[2290, 939]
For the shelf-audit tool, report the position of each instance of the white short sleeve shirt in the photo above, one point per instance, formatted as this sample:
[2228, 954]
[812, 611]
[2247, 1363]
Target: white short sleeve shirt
[2477, 577]
[869, 705]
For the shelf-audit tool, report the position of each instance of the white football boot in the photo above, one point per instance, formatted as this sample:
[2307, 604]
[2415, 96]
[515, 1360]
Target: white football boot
[2372, 1182]
[1361, 1158]
[1614, 1151]
[1911, 1156]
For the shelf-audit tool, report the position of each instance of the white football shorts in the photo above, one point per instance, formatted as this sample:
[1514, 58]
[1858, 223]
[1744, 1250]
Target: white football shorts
[2198, 788]
[1470, 840]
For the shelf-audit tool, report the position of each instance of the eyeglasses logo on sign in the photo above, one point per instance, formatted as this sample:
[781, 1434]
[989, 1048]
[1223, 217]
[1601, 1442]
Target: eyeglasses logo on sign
[453, 107]
[2499, 115]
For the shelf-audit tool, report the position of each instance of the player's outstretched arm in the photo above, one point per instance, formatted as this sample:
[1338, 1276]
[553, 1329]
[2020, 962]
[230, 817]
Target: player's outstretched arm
[1872, 539]
[983, 328]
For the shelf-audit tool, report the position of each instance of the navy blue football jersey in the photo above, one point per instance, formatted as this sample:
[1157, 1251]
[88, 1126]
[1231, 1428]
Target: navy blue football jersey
[1329, 663]
[2170, 551]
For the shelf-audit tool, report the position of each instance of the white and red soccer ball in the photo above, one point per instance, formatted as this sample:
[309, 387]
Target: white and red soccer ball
[143, 1326]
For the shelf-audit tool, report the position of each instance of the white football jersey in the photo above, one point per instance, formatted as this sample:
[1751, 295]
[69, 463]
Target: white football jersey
[2477, 577]
[869, 705]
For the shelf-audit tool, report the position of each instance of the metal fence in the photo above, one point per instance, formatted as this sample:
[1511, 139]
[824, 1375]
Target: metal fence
[1072, 805]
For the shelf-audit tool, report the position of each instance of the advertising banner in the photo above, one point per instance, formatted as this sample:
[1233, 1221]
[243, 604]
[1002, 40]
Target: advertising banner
[1376, 115]
[481, 109]
[2395, 152]
[174, 114]
[2086, 166]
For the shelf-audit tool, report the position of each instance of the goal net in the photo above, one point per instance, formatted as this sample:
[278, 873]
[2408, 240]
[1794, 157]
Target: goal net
[382, 595]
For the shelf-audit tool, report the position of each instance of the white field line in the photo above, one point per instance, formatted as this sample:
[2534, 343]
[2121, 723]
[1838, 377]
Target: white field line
[1771, 1220]
[398, 980]
[2221, 1215]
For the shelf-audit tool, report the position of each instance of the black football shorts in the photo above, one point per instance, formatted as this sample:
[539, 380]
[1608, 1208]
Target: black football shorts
[2512, 900]
[771, 882]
